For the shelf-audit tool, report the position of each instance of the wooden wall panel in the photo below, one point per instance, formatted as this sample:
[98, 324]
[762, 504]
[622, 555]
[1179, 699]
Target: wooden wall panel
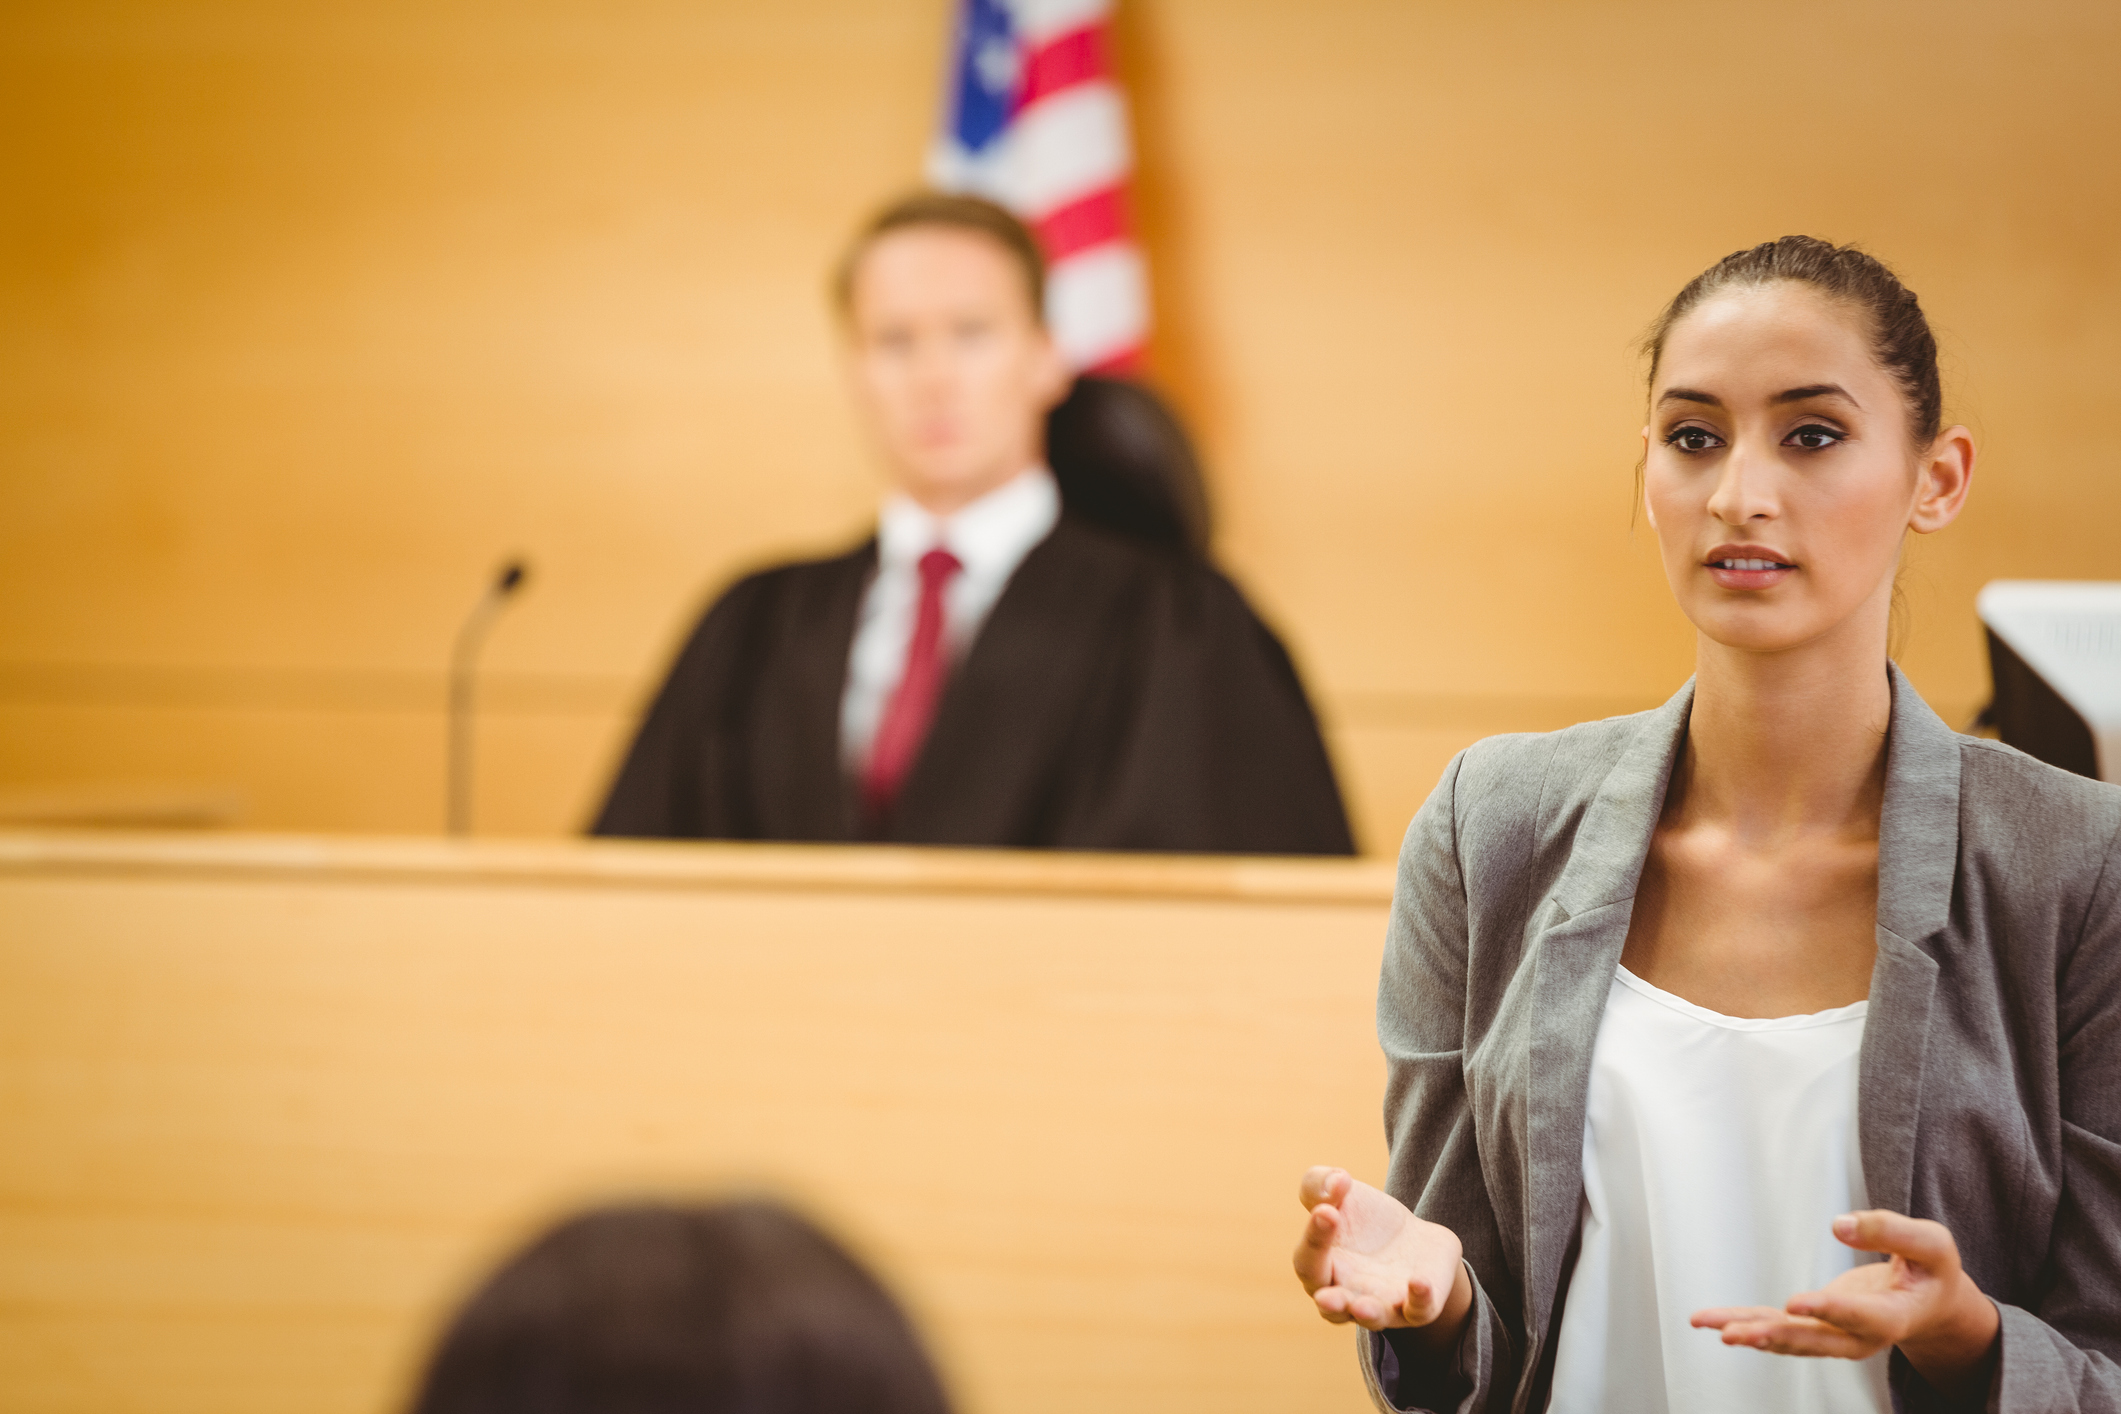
[308, 315]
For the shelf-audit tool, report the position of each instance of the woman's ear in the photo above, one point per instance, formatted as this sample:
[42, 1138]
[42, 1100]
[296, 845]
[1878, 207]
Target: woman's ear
[1944, 476]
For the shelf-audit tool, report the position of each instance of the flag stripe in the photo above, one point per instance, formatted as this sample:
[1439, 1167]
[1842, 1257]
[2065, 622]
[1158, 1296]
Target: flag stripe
[1063, 62]
[1098, 304]
[1066, 147]
[1087, 222]
[1037, 21]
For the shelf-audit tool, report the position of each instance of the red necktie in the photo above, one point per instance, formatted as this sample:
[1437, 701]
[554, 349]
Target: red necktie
[912, 707]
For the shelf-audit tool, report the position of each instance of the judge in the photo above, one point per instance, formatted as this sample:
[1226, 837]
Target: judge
[987, 668]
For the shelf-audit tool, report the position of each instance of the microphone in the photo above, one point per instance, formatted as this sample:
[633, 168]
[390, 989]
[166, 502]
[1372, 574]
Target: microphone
[463, 658]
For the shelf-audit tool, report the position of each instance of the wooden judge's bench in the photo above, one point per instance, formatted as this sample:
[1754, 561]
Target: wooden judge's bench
[268, 1104]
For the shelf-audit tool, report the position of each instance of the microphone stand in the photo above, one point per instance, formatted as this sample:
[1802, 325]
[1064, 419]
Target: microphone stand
[463, 658]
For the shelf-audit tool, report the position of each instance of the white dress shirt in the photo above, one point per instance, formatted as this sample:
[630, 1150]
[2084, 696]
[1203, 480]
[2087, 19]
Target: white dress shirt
[1717, 1152]
[990, 538]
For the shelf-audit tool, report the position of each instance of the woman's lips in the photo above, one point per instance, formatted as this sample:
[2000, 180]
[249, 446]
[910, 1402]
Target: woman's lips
[1742, 571]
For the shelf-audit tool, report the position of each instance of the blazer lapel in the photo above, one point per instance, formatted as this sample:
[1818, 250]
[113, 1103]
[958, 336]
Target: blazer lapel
[1918, 859]
[1572, 973]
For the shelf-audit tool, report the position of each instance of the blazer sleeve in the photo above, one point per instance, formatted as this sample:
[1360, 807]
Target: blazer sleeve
[2061, 1353]
[1435, 1164]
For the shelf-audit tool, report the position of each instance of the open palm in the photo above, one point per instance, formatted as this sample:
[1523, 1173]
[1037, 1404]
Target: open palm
[1365, 1258]
[1920, 1299]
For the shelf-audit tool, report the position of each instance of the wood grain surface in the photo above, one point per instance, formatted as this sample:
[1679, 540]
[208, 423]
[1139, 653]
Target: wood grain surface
[270, 1105]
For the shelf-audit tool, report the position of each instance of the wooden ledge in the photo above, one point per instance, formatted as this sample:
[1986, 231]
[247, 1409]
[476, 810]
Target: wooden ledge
[873, 869]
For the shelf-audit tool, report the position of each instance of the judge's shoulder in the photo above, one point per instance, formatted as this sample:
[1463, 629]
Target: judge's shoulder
[1080, 556]
[1083, 549]
[794, 593]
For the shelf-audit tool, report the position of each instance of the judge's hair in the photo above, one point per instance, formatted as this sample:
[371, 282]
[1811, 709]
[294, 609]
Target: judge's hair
[1899, 331]
[955, 212]
[737, 1308]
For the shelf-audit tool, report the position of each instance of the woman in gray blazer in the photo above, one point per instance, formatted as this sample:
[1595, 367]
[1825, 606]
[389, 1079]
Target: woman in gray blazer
[1793, 848]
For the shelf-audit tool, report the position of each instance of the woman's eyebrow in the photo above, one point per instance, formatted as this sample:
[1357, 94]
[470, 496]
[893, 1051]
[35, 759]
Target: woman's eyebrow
[1814, 390]
[1793, 395]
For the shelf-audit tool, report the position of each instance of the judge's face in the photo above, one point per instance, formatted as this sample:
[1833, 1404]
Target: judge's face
[1779, 474]
[952, 368]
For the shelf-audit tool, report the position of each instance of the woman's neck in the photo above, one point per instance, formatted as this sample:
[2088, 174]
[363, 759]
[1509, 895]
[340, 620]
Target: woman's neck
[1788, 743]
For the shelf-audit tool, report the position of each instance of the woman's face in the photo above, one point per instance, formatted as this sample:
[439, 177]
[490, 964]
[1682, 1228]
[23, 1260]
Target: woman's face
[1779, 475]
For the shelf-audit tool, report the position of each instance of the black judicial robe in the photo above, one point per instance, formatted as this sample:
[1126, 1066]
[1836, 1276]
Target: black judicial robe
[1119, 696]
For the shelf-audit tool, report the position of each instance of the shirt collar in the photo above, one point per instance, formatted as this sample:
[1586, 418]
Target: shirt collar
[991, 535]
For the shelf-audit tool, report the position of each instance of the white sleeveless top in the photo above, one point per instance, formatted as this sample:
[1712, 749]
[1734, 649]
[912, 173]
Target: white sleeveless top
[1717, 1151]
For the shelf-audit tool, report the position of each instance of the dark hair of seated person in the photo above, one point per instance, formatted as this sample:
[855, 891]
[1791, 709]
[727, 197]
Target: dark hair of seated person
[1123, 461]
[735, 1308]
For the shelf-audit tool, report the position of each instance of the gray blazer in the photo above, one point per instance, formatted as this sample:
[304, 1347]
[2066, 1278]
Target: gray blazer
[1990, 1089]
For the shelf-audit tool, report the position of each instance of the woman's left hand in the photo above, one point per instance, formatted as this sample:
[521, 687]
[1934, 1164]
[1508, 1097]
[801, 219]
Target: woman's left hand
[1920, 1301]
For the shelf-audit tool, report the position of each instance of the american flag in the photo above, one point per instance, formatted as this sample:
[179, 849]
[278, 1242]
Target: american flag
[1034, 119]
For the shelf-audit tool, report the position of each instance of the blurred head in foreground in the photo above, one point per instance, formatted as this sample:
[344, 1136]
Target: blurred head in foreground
[736, 1308]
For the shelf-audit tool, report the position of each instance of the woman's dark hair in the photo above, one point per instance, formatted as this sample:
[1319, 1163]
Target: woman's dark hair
[1900, 334]
[1124, 461]
[739, 1308]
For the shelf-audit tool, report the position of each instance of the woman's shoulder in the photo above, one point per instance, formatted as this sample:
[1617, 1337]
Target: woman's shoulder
[2014, 801]
[1511, 806]
[1993, 767]
[2036, 861]
[1530, 790]
[1566, 763]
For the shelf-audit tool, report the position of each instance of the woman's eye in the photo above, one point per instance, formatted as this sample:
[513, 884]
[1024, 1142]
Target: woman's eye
[1814, 438]
[1692, 439]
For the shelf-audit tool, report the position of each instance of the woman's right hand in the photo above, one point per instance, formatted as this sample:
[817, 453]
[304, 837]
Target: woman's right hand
[1365, 1258]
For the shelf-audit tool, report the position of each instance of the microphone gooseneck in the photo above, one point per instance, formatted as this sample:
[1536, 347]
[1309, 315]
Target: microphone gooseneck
[463, 660]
